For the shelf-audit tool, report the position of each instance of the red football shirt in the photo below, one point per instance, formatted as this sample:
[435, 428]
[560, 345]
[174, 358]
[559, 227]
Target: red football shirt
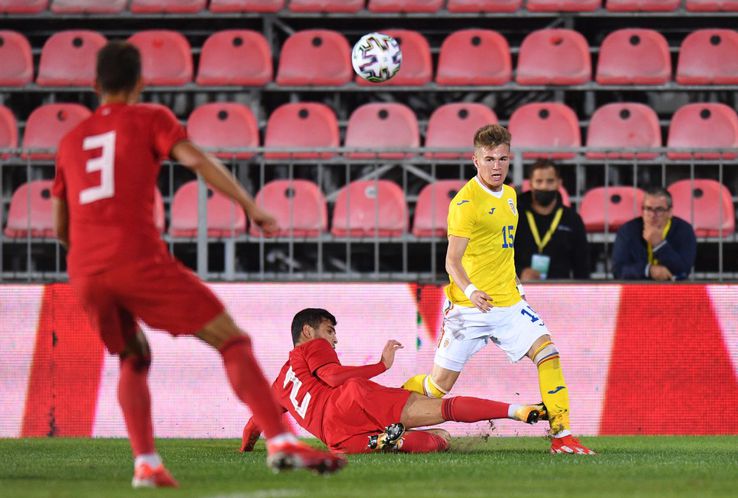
[106, 171]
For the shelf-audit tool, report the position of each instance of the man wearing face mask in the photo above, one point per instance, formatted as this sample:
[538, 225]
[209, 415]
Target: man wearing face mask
[551, 241]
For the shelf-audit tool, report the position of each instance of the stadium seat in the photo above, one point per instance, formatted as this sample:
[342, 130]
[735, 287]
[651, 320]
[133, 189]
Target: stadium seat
[237, 57]
[642, 5]
[549, 125]
[623, 126]
[474, 57]
[714, 214]
[301, 125]
[30, 213]
[167, 6]
[368, 208]
[483, 5]
[703, 126]
[344, 6]
[452, 126]
[554, 57]
[301, 52]
[225, 217]
[565, 199]
[380, 126]
[712, 5]
[68, 58]
[417, 65]
[634, 57]
[88, 6]
[166, 57]
[16, 68]
[563, 5]
[8, 129]
[224, 125]
[404, 5]
[298, 205]
[708, 57]
[608, 208]
[22, 6]
[431, 210]
[47, 125]
[264, 6]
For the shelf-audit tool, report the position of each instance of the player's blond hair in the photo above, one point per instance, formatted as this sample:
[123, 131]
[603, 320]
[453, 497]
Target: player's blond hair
[491, 136]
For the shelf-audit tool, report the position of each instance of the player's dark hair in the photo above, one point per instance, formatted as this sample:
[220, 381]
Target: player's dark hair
[309, 316]
[660, 192]
[118, 67]
[491, 136]
[544, 164]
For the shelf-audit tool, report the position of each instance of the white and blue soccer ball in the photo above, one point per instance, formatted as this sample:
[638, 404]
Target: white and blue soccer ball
[376, 57]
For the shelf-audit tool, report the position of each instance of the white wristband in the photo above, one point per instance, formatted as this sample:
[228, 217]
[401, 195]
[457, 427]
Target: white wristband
[521, 290]
[470, 290]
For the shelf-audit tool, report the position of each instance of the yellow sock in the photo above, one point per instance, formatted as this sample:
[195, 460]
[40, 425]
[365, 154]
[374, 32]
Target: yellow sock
[553, 389]
[423, 384]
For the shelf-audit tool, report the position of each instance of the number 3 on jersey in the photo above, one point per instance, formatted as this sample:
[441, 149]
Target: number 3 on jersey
[300, 407]
[103, 163]
[508, 236]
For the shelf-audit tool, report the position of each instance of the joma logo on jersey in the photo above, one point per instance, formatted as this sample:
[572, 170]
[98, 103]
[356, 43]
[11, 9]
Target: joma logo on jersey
[491, 211]
[462, 202]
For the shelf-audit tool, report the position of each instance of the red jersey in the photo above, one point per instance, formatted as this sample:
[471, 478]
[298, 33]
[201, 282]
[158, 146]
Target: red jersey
[106, 171]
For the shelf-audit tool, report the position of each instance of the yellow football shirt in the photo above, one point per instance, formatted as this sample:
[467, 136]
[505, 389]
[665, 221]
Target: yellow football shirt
[489, 220]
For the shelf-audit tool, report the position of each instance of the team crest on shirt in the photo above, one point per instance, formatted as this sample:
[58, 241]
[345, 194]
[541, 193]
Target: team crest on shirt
[512, 207]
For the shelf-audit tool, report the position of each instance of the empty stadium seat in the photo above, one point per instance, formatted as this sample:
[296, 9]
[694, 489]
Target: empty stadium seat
[166, 58]
[264, 6]
[298, 205]
[68, 58]
[565, 199]
[236, 57]
[225, 217]
[298, 61]
[706, 204]
[16, 68]
[634, 57]
[301, 125]
[703, 126]
[8, 129]
[452, 126]
[224, 125]
[431, 210]
[167, 6]
[88, 6]
[417, 65]
[563, 5]
[712, 5]
[379, 126]
[608, 208]
[368, 208]
[326, 5]
[708, 57]
[483, 5]
[404, 5]
[22, 6]
[554, 57]
[30, 213]
[474, 57]
[623, 126]
[549, 125]
[47, 125]
[642, 5]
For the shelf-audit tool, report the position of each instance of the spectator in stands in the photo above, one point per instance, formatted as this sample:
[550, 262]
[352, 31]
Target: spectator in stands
[550, 241]
[656, 246]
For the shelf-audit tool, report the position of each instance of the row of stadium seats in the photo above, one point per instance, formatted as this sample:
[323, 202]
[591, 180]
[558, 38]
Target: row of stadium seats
[467, 57]
[366, 207]
[309, 125]
[353, 6]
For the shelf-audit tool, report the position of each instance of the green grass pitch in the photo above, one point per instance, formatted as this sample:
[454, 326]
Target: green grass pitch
[497, 466]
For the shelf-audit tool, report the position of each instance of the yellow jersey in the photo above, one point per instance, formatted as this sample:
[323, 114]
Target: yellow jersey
[489, 220]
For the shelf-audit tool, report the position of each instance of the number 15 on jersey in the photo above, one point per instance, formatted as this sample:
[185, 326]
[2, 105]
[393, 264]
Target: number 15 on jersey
[508, 236]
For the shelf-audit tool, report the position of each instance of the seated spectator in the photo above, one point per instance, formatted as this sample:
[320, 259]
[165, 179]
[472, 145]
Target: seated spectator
[550, 241]
[656, 246]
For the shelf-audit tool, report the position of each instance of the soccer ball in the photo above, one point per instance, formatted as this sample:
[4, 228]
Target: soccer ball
[376, 57]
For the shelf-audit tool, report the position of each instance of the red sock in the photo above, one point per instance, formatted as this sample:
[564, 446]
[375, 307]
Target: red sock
[135, 402]
[250, 386]
[467, 409]
[423, 442]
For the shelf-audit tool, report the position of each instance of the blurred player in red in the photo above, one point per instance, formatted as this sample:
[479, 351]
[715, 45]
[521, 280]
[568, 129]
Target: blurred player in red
[106, 172]
[351, 414]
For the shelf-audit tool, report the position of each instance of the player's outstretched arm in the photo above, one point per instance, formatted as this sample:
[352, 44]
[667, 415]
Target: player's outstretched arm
[61, 220]
[454, 267]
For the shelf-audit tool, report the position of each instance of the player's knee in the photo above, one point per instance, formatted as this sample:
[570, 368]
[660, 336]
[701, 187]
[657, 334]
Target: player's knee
[137, 362]
[222, 331]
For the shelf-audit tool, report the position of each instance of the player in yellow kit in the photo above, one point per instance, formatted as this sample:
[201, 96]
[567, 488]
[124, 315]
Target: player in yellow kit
[484, 299]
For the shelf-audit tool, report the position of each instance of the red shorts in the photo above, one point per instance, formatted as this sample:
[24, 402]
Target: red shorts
[162, 292]
[361, 406]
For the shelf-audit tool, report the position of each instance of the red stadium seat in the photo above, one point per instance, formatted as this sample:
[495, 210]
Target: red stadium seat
[549, 125]
[404, 5]
[483, 5]
[712, 5]
[706, 204]
[417, 65]
[237, 57]
[166, 57]
[22, 6]
[8, 129]
[167, 6]
[642, 5]
[474, 57]
[298, 205]
[623, 126]
[301, 52]
[708, 57]
[380, 126]
[634, 57]
[69, 57]
[224, 125]
[554, 57]
[30, 213]
[346, 6]
[563, 5]
[47, 125]
[16, 68]
[452, 126]
[264, 6]
[301, 125]
[565, 199]
[225, 217]
[368, 208]
[88, 6]
[431, 211]
[605, 209]
[703, 126]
